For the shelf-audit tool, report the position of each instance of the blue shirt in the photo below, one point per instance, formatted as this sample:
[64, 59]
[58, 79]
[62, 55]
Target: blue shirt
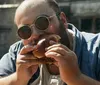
[87, 49]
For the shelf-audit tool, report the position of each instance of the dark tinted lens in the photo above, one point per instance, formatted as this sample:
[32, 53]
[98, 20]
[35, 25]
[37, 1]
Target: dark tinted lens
[42, 23]
[24, 32]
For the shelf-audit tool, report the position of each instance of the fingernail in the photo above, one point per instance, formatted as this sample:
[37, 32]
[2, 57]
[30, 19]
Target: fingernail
[28, 46]
[52, 42]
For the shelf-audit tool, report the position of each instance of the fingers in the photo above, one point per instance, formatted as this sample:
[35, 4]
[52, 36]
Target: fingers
[57, 52]
[51, 42]
[58, 45]
[26, 49]
[27, 56]
[53, 55]
[24, 58]
[27, 62]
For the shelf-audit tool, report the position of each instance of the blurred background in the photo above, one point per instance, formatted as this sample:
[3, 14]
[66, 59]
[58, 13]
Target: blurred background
[84, 14]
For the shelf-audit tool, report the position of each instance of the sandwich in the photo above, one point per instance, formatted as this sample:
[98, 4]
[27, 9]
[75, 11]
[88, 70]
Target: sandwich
[39, 49]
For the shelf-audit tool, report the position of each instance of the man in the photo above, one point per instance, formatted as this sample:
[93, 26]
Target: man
[76, 56]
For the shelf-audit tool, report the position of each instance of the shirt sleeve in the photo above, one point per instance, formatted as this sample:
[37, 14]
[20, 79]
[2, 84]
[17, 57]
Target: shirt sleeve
[98, 60]
[98, 65]
[8, 61]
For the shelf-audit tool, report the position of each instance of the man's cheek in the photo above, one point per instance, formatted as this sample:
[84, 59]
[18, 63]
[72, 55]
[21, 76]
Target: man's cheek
[53, 29]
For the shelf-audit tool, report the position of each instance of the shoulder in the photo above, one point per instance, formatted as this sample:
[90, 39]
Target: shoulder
[16, 46]
[91, 37]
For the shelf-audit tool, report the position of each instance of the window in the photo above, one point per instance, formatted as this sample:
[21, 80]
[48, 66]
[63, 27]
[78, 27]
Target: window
[4, 41]
[90, 24]
[97, 25]
[86, 24]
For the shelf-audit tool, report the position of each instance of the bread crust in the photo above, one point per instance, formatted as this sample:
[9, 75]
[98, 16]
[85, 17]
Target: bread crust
[39, 50]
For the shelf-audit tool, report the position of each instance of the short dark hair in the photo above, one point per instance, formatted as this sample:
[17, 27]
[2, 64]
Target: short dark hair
[54, 5]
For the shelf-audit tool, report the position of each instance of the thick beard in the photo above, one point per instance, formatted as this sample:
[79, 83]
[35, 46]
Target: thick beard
[64, 35]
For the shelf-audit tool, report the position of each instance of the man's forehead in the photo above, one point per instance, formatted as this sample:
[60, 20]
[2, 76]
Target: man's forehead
[39, 10]
[33, 8]
[31, 5]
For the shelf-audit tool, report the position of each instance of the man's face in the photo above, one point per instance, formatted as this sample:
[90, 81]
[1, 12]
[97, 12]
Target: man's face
[29, 17]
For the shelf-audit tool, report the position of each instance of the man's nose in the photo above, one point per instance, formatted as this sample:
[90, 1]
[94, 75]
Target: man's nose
[34, 38]
[37, 32]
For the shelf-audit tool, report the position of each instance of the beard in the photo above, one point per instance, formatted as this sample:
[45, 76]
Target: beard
[63, 33]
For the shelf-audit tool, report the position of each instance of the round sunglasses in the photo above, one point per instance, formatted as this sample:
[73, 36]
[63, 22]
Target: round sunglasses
[41, 24]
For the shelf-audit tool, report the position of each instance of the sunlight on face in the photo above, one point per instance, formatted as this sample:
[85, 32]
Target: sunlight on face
[29, 14]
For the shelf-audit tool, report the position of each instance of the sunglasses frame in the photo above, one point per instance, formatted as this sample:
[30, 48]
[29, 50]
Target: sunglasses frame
[33, 25]
[48, 19]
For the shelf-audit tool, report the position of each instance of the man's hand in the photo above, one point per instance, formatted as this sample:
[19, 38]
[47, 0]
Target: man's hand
[26, 66]
[66, 61]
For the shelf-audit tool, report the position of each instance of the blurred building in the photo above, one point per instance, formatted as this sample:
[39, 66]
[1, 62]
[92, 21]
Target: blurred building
[7, 26]
[84, 14]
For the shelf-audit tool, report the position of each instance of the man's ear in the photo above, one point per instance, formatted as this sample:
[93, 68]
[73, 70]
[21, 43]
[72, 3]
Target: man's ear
[63, 18]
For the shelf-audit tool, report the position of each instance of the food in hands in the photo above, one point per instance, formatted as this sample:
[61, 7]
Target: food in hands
[39, 49]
